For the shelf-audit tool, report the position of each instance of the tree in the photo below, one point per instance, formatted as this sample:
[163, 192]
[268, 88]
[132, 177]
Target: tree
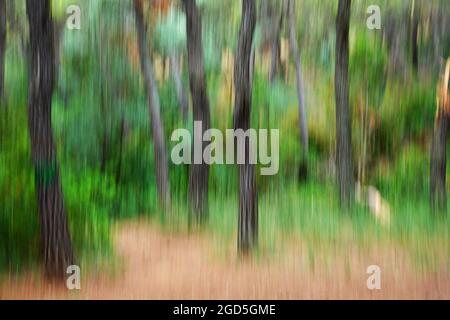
[2, 47]
[55, 237]
[303, 126]
[415, 19]
[248, 198]
[272, 16]
[160, 154]
[343, 115]
[181, 95]
[198, 174]
[271, 20]
[438, 159]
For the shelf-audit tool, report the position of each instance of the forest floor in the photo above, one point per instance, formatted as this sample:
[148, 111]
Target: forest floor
[154, 263]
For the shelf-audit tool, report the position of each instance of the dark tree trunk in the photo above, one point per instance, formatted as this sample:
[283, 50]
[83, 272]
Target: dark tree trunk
[438, 163]
[303, 126]
[275, 45]
[275, 51]
[121, 137]
[343, 115]
[414, 39]
[395, 33]
[160, 154]
[2, 48]
[438, 159]
[198, 174]
[104, 133]
[181, 94]
[248, 198]
[57, 246]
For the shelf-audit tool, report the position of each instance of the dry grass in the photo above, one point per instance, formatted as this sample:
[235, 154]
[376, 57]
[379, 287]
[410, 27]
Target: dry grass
[157, 264]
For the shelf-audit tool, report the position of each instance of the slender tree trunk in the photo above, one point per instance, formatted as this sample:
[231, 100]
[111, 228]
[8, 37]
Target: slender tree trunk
[438, 163]
[438, 159]
[276, 46]
[303, 126]
[248, 198]
[275, 52]
[2, 48]
[198, 174]
[121, 137]
[343, 115]
[181, 94]
[105, 132]
[414, 35]
[161, 166]
[57, 246]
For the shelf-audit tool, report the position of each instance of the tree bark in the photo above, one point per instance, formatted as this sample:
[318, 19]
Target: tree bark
[343, 115]
[105, 132]
[414, 35]
[55, 237]
[198, 174]
[248, 198]
[275, 48]
[303, 125]
[181, 94]
[438, 159]
[160, 154]
[121, 138]
[2, 48]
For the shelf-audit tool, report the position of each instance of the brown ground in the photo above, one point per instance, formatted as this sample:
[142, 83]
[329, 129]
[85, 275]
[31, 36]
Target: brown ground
[157, 264]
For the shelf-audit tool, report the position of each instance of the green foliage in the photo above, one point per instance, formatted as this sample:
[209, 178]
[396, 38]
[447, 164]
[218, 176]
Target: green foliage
[18, 217]
[406, 113]
[367, 67]
[105, 151]
[87, 197]
[408, 175]
[90, 202]
[174, 23]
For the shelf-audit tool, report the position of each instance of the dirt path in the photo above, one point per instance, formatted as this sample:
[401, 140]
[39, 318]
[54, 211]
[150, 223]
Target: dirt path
[158, 264]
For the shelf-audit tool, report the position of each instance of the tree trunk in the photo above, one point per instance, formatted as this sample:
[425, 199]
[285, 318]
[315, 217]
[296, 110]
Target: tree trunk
[57, 246]
[275, 52]
[160, 155]
[414, 35]
[438, 163]
[303, 126]
[2, 48]
[277, 20]
[105, 132]
[248, 199]
[438, 159]
[198, 174]
[121, 138]
[343, 115]
[181, 94]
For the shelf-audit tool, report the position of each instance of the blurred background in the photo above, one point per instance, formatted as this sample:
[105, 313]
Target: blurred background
[135, 71]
